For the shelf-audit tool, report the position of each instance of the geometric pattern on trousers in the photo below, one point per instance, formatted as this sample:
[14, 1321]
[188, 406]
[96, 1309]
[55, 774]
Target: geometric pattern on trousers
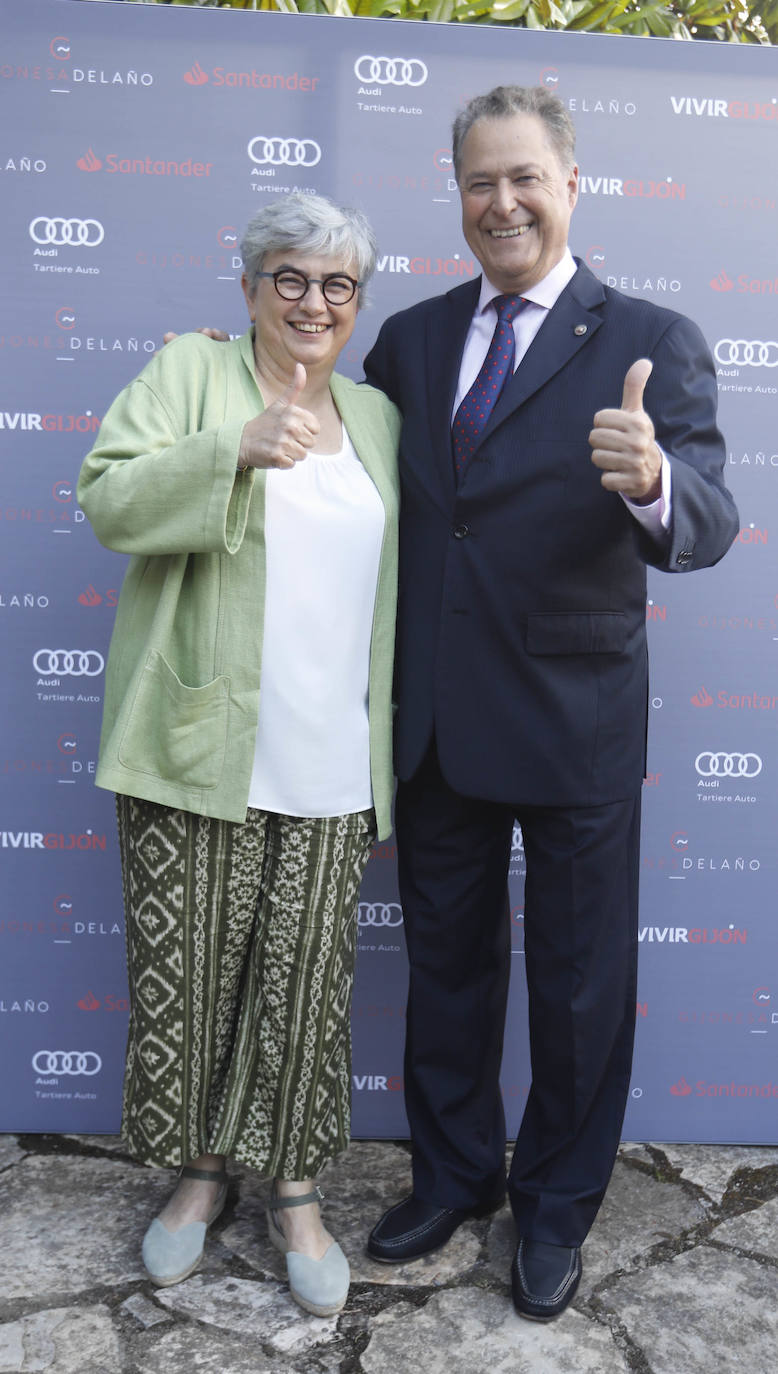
[241, 944]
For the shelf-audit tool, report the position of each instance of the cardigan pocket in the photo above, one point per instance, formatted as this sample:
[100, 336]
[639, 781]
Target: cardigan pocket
[176, 732]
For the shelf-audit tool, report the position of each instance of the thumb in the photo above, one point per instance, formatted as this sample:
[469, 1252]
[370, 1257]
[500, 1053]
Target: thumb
[296, 387]
[635, 384]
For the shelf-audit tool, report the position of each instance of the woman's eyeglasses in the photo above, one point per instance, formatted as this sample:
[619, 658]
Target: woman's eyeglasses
[336, 287]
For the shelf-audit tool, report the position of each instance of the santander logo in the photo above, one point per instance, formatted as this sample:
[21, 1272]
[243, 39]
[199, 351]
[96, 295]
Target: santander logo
[681, 1088]
[251, 80]
[196, 76]
[744, 285]
[90, 596]
[109, 1003]
[90, 162]
[142, 166]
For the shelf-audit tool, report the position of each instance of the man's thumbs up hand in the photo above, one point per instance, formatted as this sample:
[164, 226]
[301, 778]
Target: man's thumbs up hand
[623, 445]
[635, 384]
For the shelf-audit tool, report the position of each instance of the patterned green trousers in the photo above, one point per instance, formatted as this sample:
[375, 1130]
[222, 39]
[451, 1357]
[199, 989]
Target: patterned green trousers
[241, 944]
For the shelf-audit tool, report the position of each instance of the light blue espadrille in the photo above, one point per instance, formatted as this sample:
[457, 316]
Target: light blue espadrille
[170, 1256]
[319, 1286]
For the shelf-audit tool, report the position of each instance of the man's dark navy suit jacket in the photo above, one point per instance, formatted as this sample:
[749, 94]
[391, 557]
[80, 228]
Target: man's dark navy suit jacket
[521, 633]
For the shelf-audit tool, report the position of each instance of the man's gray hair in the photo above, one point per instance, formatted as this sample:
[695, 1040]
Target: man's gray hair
[304, 223]
[505, 101]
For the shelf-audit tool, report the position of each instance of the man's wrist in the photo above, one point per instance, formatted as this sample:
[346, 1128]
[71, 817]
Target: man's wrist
[651, 497]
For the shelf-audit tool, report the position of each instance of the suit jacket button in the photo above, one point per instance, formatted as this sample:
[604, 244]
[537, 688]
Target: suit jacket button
[461, 531]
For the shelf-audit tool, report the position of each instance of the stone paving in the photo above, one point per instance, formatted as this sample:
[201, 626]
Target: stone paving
[680, 1274]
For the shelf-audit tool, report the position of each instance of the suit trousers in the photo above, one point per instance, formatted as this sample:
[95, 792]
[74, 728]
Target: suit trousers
[580, 931]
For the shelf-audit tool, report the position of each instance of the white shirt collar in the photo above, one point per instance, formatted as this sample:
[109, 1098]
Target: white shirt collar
[544, 293]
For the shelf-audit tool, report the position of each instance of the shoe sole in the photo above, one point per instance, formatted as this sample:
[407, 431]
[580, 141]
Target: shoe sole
[168, 1282]
[160, 1282]
[313, 1307]
[536, 1317]
[406, 1259]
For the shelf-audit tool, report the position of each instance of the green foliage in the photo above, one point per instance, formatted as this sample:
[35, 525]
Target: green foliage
[727, 20]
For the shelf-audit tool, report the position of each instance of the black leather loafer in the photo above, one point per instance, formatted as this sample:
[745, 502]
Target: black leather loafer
[414, 1228]
[544, 1278]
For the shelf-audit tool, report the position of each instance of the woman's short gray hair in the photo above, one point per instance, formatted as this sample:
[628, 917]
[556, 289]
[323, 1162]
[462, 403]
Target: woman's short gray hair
[505, 101]
[313, 224]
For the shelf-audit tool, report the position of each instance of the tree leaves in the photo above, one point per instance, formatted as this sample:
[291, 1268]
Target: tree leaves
[729, 20]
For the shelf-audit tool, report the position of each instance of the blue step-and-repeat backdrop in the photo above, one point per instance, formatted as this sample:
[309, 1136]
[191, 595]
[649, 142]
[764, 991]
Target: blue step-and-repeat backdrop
[135, 142]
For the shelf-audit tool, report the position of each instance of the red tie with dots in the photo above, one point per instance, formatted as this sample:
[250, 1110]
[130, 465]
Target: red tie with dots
[476, 407]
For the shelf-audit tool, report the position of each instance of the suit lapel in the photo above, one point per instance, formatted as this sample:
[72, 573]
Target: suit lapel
[571, 323]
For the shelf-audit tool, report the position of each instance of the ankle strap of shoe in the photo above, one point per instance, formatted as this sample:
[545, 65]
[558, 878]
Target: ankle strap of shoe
[300, 1201]
[206, 1175]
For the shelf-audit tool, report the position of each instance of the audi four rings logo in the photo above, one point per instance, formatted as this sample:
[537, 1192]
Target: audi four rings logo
[710, 765]
[78, 233]
[67, 1062]
[284, 152]
[68, 662]
[748, 353]
[380, 914]
[391, 71]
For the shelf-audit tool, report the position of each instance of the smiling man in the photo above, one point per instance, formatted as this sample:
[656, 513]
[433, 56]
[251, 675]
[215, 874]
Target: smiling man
[517, 198]
[558, 436]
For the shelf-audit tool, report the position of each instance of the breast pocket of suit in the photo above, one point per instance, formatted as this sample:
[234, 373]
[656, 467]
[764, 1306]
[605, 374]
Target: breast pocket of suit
[558, 633]
[174, 731]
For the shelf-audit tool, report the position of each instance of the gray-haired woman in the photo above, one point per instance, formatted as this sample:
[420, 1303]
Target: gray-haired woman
[246, 732]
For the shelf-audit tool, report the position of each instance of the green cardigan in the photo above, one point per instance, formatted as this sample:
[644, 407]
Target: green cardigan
[183, 675]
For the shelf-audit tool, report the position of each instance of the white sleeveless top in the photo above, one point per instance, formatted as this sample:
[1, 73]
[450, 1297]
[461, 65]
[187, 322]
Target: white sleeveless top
[324, 525]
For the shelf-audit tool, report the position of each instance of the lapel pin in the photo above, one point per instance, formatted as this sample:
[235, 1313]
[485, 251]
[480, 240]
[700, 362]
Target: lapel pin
[580, 329]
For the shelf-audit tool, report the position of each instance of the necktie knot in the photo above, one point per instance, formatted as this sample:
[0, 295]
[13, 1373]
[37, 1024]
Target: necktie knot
[508, 307]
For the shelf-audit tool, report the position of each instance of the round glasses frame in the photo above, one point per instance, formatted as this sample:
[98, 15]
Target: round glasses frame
[337, 288]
